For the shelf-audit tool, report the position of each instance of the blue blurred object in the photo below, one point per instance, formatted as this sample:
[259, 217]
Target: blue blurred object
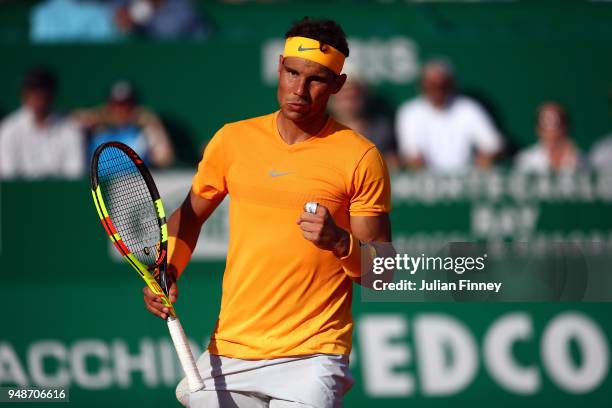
[72, 20]
[174, 18]
[131, 135]
[163, 19]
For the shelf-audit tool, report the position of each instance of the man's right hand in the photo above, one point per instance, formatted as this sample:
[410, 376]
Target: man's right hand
[184, 223]
[154, 304]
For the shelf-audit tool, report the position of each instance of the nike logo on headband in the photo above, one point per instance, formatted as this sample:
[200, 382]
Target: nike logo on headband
[302, 49]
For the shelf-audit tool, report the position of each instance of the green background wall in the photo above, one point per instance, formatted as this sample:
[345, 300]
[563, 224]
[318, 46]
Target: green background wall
[73, 313]
[511, 56]
[65, 297]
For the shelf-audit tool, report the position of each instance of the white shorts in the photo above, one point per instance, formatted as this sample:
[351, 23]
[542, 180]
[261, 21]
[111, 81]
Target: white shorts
[318, 381]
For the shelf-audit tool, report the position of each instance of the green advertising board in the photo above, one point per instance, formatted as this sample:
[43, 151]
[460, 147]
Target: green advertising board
[74, 316]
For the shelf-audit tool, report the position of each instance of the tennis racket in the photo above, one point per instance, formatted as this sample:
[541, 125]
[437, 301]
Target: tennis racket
[132, 214]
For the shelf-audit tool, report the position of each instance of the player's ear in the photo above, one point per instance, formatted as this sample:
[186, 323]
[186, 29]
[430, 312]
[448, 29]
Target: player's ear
[339, 83]
[280, 63]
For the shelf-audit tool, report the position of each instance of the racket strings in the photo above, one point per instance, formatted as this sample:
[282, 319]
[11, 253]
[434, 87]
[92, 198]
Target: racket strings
[129, 204]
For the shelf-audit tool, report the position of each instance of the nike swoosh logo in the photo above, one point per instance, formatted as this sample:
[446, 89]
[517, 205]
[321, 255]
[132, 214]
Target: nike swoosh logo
[302, 49]
[274, 173]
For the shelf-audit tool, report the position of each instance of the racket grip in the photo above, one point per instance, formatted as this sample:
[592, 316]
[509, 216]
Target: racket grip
[183, 351]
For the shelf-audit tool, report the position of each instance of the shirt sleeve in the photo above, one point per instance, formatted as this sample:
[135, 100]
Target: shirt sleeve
[160, 147]
[531, 160]
[371, 186]
[73, 151]
[408, 134]
[210, 181]
[486, 138]
[8, 152]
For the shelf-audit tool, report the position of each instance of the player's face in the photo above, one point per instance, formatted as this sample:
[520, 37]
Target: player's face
[39, 101]
[121, 112]
[304, 88]
[551, 128]
[437, 86]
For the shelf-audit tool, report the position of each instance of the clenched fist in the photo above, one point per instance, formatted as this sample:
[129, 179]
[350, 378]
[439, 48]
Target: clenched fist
[320, 229]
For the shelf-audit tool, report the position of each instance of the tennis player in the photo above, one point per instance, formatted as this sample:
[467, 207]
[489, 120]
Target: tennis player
[284, 332]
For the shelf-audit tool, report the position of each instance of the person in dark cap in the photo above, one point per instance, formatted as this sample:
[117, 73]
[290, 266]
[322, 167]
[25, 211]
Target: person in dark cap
[34, 141]
[122, 119]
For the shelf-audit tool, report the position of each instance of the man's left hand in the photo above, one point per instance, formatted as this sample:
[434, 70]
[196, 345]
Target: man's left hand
[321, 230]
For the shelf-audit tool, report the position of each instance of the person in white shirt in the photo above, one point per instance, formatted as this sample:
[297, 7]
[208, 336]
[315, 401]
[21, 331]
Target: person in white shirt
[444, 132]
[600, 157]
[36, 143]
[555, 150]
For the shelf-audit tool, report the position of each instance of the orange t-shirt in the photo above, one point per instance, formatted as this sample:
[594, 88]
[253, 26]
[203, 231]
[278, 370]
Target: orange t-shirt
[283, 296]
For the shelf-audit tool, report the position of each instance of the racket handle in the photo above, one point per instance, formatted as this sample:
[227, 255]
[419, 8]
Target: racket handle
[183, 351]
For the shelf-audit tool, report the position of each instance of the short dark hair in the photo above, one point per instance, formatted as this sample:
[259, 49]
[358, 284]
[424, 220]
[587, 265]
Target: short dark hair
[326, 31]
[558, 108]
[40, 79]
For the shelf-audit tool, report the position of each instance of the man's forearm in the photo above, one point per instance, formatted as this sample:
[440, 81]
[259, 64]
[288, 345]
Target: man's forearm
[183, 232]
[184, 227]
[370, 238]
[357, 257]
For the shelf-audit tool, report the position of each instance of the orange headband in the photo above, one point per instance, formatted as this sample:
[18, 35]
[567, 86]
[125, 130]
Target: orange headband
[310, 49]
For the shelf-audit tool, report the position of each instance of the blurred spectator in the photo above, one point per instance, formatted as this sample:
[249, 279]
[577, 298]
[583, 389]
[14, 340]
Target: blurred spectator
[72, 20]
[122, 120]
[601, 155]
[159, 19]
[555, 150]
[352, 107]
[442, 131]
[36, 143]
